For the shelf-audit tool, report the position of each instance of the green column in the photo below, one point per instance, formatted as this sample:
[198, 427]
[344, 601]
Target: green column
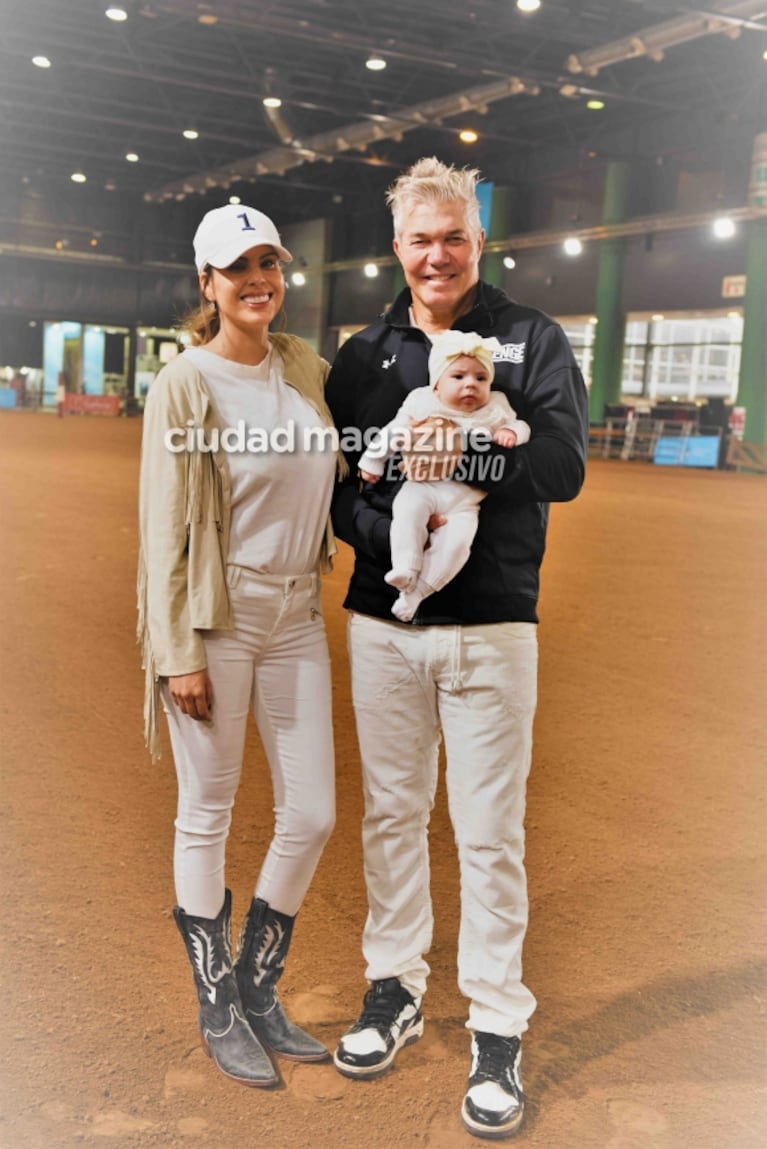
[607, 366]
[752, 381]
[501, 216]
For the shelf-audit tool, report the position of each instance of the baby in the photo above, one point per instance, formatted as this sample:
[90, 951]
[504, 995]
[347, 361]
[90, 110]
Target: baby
[457, 400]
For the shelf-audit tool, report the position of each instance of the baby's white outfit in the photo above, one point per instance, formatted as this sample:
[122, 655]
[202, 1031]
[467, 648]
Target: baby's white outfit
[419, 571]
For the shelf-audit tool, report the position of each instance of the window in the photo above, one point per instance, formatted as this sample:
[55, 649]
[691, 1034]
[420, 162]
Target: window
[580, 331]
[682, 356]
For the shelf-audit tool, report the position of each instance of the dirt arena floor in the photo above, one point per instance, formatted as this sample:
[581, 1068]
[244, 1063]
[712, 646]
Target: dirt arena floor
[646, 840]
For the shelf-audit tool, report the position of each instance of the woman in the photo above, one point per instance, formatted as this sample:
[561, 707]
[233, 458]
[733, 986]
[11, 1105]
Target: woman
[234, 533]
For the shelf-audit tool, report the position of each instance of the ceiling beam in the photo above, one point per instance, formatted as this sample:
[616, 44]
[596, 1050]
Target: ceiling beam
[357, 136]
[524, 241]
[726, 17]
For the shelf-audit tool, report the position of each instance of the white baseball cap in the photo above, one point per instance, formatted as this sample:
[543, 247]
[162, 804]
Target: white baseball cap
[226, 232]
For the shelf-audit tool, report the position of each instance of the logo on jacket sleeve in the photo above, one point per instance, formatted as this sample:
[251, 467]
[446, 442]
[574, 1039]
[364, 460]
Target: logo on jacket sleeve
[387, 363]
[510, 353]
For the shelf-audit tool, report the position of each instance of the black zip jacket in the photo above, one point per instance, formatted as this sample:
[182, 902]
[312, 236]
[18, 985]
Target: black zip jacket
[374, 371]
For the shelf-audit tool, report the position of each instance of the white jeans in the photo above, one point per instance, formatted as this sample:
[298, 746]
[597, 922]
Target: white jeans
[478, 685]
[275, 661]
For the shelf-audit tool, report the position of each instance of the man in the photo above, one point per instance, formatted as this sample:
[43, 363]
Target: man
[465, 667]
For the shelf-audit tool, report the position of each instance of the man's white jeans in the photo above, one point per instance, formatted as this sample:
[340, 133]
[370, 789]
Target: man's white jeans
[478, 684]
[275, 661]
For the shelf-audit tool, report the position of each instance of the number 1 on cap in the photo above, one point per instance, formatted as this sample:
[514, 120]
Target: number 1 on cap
[247, 225]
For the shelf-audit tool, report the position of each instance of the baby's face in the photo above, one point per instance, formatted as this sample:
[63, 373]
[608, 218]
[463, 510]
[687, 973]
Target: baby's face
[464, 385]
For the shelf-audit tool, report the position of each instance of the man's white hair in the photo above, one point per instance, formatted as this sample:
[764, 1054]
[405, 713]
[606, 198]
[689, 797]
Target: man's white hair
[432, 182]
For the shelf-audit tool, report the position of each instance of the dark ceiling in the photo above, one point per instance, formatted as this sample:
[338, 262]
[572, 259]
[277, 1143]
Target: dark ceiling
[135, 86]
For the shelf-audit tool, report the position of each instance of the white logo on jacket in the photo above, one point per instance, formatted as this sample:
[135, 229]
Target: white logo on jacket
[510, 353]
[387, 363]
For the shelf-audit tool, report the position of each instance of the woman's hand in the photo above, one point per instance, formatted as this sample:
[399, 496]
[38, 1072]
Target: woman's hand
[193, 694]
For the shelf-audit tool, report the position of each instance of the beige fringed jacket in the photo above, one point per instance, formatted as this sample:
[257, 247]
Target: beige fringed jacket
[184, 517]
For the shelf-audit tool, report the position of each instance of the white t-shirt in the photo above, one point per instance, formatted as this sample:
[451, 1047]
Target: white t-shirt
[282, 480]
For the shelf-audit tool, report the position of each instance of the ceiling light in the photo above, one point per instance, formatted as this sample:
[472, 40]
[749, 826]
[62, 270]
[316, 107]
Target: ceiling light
[723, 227]
[191, 134]
[528, 5]
[234, 199]
[658, 318]
[468, 136]
[116, 14]
[595, 105]
[509, 261]
[78, 177]
[132, 157]
[209, 18]
[764, 55]
[41, 61]
[371, 270]
[375, 63]
[272, 102]
[298, 278]
[572, 245]
[593, 320]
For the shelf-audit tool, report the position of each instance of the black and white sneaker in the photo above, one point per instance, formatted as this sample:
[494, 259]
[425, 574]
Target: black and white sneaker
[494, 1105]
[390, 1018]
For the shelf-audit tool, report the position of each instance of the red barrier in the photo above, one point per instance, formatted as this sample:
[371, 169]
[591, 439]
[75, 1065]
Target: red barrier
[91, 404]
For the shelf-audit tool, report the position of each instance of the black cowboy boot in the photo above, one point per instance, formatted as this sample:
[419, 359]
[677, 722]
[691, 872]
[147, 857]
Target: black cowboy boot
[226, 1035]
[264, 943]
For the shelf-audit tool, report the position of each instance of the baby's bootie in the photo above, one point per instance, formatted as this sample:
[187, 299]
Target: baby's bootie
[403, 579]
